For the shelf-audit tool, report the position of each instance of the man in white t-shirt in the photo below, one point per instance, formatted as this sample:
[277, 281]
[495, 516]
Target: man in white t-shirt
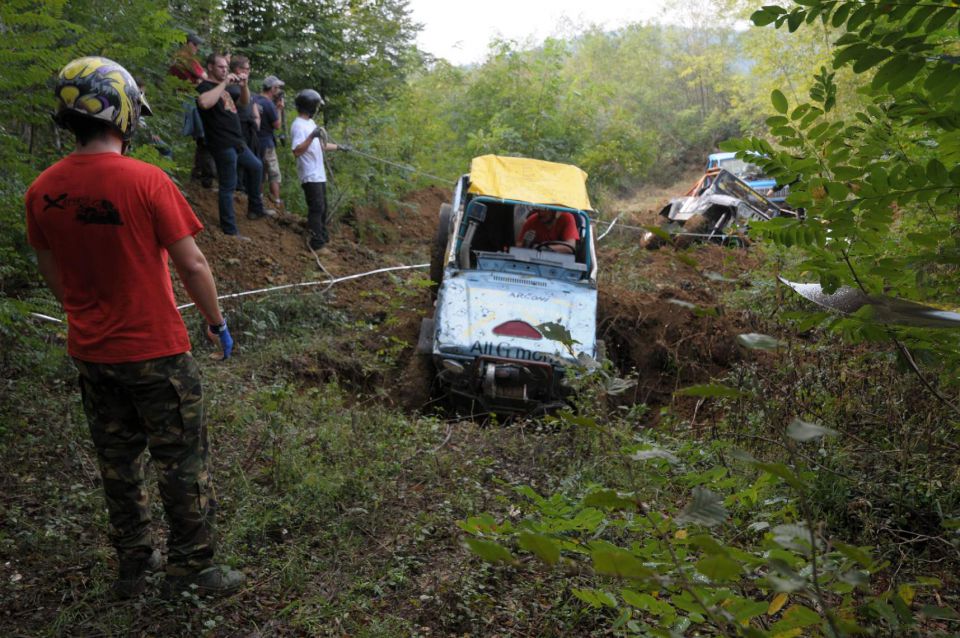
[308, 147]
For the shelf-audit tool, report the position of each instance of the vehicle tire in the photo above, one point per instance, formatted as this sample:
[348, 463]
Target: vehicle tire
[417, 383]
[601, 351]
[439, 248]
[696, 224]
[650, 241]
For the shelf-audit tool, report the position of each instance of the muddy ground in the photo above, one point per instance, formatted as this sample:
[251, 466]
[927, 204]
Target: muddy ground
[658, 310]
[342, 514]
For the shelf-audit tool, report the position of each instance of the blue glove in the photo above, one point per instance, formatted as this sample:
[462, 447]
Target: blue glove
[346, 148]
[226, 341]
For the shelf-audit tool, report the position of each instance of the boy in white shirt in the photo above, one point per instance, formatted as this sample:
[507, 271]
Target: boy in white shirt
[308, 148]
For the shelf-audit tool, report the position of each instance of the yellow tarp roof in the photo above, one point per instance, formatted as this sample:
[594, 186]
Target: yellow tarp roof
[529, 180]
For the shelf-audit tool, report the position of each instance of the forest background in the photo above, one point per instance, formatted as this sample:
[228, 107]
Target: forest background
[629, 106]
[853, 103]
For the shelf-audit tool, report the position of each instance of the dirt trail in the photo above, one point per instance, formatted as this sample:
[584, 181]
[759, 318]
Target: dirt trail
[658, 311]
[277, 253]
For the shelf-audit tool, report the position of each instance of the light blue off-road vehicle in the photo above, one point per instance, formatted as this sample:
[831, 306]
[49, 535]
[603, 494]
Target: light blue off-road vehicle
[512, 325]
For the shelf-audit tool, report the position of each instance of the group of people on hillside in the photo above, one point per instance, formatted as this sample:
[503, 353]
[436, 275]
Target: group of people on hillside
[239, 134]
[103, 226]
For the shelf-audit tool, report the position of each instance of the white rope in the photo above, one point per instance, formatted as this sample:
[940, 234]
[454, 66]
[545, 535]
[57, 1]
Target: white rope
[46, 317]
[326, 282]
[612, 224]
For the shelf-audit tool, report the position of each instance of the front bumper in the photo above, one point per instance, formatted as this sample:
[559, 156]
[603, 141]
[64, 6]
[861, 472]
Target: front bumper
[504, 385]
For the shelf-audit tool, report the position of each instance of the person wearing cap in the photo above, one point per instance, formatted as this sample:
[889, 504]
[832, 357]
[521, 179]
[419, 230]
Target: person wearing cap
[270, 103]
[103, 226]
[186, 65]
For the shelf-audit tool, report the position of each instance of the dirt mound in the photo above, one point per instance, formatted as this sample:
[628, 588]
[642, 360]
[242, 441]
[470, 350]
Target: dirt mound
[675, 332]
[413, 219]
[666, 344]
[277, 254]
[659, 312]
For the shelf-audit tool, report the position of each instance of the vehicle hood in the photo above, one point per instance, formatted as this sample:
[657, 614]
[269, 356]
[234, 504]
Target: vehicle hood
[683, 208]
[470, 305]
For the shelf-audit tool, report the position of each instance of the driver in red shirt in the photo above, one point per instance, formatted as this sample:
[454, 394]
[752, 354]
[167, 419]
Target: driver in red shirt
[558, 230]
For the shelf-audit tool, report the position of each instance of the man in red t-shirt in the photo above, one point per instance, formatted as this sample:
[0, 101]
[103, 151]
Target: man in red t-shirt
[185, 65]
[102, 226]
[547, 225]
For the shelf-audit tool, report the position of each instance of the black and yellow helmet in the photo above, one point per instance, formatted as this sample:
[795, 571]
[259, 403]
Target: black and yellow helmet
[100, 88]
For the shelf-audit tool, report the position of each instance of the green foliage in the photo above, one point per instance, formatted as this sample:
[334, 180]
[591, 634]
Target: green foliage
[625, 106]
[879, 184]
[354, 53]
[744, 557]
[754, 341]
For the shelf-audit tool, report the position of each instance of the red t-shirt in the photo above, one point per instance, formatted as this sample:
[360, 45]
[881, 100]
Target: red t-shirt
[186, 67]
[564, 228]
[108, 219]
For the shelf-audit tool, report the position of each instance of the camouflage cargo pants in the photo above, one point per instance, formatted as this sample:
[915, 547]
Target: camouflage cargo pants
[155, 405]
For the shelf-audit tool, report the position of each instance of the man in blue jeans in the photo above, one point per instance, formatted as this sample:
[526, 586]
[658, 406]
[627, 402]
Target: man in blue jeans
[221, 125]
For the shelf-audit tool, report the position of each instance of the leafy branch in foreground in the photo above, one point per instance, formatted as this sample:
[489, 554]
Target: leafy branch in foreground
[744, 556]
[881, 189]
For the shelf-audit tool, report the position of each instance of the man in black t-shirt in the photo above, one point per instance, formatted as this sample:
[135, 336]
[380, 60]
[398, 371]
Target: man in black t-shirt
[224, 136]
[249, 116]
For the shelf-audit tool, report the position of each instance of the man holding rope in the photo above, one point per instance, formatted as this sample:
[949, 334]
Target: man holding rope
[309, 142]
[102, 226]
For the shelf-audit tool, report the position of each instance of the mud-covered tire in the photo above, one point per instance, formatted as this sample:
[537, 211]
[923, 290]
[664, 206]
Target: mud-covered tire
[649, 241]
[696, 224]
[439, 248]
[601, 351]
[417, 382]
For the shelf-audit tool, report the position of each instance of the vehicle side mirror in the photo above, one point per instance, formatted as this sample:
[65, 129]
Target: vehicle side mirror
[476, 212]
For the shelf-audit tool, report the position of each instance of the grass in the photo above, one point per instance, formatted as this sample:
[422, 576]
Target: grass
[340, 507]
[343, 509]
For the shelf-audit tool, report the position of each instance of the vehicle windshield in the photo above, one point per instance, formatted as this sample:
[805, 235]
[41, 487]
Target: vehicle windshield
[493, 243]
[743, 170]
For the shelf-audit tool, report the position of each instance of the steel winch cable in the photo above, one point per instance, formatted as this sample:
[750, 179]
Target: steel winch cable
[405, 167]
[246, 293]
[332, 214]
[628, 226]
